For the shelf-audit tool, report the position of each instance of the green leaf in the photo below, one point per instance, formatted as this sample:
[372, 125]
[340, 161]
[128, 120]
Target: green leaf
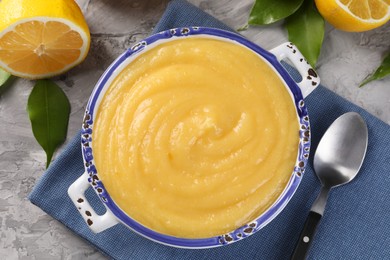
[48, 109]
[4, 76]
[306, 29]
[270, 11]
[382, 71]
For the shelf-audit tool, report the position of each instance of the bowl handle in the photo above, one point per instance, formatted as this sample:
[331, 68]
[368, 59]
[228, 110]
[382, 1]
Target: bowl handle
[97, 223]
[289, 51]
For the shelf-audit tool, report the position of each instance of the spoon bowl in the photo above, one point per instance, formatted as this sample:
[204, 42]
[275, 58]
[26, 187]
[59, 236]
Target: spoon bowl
[340, 153]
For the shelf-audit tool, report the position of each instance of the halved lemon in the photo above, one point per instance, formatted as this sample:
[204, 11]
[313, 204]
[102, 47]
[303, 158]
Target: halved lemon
[41, 38]
[355, 15]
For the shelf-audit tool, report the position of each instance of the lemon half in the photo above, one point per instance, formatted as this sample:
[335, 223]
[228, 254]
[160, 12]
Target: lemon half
[41, 38]
[355, 15]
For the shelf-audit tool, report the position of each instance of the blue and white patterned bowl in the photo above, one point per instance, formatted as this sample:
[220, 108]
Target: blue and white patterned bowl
[115, 215]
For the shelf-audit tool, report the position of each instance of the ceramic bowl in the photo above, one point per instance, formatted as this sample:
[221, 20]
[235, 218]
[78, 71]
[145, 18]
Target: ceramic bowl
[114, 215]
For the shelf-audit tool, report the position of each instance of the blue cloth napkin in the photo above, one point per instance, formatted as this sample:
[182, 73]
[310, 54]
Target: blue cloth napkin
[356, 221]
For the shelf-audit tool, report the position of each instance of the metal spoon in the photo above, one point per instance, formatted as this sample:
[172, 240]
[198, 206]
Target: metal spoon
[337, 160]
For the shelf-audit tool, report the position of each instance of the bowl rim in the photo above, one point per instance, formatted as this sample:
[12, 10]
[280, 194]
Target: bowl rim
[243, 231]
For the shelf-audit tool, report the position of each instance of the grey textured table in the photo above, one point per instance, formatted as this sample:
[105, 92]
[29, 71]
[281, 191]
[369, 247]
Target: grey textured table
[28, 233]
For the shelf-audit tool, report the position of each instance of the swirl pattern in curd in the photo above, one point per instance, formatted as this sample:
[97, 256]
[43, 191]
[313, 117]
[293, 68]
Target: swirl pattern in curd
[195, 137]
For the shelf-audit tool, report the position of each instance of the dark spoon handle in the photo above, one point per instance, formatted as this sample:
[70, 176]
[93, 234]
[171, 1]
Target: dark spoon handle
[307, 235]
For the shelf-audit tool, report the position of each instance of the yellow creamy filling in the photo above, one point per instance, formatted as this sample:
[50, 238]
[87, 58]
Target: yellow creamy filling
[195, 137]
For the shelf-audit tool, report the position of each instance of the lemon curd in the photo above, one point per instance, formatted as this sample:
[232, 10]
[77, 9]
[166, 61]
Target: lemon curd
[195, 137]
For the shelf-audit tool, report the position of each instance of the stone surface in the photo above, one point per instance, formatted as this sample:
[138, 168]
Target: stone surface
[28, 233]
